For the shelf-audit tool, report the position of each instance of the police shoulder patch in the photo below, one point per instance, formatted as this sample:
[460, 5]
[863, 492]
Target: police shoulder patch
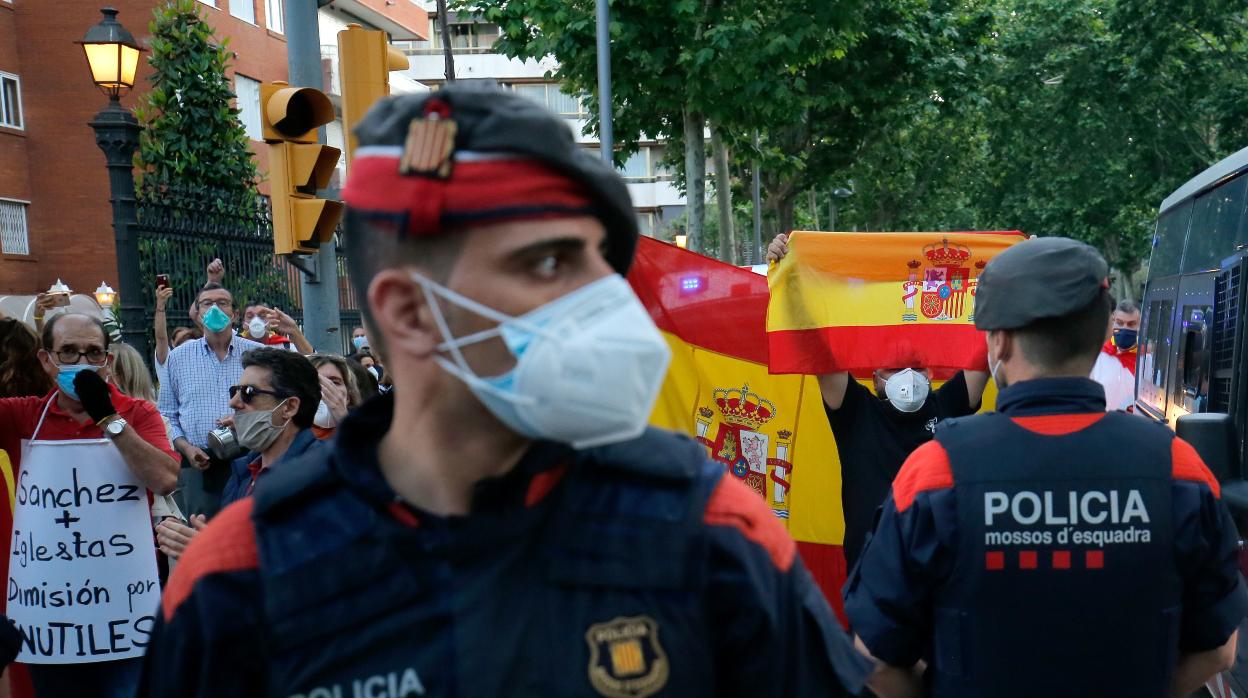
[626, 659]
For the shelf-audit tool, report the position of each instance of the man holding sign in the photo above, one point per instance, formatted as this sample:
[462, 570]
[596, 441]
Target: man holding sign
[82, 583]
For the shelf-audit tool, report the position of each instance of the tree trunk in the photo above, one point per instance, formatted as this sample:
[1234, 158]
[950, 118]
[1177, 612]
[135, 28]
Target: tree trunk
[785, 206]
[695, 177]
[723, 198]
[446, 40]
[778, 209]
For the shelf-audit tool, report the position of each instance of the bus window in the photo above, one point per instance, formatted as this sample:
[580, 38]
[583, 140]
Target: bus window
[1168, 241]
[1215, 230]
[1155, 353]
[1191, 390]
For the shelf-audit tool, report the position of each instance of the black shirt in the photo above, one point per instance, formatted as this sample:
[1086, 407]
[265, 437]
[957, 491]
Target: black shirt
[873, 439]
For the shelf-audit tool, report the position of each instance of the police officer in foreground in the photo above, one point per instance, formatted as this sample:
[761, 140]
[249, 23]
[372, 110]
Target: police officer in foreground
[503, 524]
[1049, 548]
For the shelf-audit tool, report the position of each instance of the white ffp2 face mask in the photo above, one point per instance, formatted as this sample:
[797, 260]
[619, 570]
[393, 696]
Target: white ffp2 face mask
[324, 417]
[589, 365]
[907, 389]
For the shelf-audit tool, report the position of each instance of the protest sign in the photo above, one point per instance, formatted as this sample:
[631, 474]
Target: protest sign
[83, 584]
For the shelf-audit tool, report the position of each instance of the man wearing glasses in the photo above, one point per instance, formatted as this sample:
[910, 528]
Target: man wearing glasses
[274, 405]
[106, 437]
[196, 395]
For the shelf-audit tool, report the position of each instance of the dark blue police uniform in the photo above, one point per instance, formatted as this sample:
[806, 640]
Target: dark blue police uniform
[630, 570]
[1015, 569]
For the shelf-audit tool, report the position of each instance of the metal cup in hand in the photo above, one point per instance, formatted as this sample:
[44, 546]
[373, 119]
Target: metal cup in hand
[223, 444]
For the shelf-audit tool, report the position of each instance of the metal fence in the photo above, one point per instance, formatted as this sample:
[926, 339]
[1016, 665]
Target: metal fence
[182, 228]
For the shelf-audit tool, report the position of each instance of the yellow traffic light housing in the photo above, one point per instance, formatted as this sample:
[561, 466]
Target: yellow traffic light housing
[298, 166]
[365, 61]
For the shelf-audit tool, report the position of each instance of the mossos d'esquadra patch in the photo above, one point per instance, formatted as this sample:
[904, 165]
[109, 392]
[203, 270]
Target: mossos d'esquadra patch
[626, 659]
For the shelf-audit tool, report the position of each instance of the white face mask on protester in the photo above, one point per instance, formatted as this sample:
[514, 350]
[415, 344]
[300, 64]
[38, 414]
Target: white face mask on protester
[324, 418]
[907, 389]
[589, 365]
[257, 328]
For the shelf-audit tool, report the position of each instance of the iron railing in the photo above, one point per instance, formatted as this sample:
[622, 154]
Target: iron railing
[181, 228]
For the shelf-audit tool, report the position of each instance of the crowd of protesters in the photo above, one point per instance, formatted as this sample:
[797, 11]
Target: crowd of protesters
[235, 374]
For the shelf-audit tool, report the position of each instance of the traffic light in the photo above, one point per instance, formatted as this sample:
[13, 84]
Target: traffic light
[298, 166]
[365, 61]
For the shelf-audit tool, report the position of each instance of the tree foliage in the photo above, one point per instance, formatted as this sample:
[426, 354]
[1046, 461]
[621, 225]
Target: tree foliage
[1056, 117]
[192, 132]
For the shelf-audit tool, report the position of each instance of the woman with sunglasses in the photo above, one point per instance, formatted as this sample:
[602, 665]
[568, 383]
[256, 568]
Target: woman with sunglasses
[274, 404]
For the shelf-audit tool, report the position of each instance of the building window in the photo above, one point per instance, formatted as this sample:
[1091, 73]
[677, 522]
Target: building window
[10, 101]
[248, 100]
[552, 96]
[13, 237]
[635, 166]
[244, 10]
[209, 3]
[273, 15]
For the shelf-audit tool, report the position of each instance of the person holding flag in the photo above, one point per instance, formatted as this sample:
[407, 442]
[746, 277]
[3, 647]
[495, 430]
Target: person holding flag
[875, 433]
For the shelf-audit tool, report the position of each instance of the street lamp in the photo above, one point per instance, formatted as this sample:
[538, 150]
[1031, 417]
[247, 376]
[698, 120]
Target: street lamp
[833, 205]
[113, 56]
[105, 295]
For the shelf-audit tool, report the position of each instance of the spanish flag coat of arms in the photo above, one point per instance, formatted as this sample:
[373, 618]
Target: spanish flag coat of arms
[742, 377]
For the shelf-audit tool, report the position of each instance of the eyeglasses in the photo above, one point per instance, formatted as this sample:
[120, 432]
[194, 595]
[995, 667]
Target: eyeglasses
[223, 304]
[94, 355]
[249, 392]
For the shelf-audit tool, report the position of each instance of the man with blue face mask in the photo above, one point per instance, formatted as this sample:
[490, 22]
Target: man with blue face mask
[503, 523]
[1124, 330]
[195, 396]
[112, 444]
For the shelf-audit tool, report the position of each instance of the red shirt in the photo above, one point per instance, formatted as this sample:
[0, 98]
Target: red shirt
[1127, 358]
[19, 415]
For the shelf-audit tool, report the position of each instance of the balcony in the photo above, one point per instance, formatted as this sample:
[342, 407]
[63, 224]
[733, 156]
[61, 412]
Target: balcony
[428, 65]
[403, 19]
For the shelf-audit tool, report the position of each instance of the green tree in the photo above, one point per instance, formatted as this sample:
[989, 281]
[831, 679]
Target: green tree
[192, 132]
[681, 66]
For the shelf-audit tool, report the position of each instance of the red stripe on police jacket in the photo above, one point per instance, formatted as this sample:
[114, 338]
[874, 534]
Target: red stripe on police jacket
[926, 469]
[1186, 464]
[228, 544]
[1059, 424]
[736, 505]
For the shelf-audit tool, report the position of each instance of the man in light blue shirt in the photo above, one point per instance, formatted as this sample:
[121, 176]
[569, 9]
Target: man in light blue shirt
[196, 395]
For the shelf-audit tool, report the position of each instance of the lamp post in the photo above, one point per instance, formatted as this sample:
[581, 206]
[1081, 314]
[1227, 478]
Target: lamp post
[838, 193]
[113, 56]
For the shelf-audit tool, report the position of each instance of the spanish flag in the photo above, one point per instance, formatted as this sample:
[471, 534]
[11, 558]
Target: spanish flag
[859, 301]
[769, 431]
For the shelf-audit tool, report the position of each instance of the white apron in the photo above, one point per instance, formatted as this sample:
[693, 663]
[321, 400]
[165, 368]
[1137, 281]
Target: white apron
[83, 585]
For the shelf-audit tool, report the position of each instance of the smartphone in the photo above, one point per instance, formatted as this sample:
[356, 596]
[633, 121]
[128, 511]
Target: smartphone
[162, 280]
[60, 299]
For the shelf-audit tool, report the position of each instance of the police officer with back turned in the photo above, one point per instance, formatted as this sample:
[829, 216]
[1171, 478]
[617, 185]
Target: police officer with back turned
[1049, 548]
[503, 523]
